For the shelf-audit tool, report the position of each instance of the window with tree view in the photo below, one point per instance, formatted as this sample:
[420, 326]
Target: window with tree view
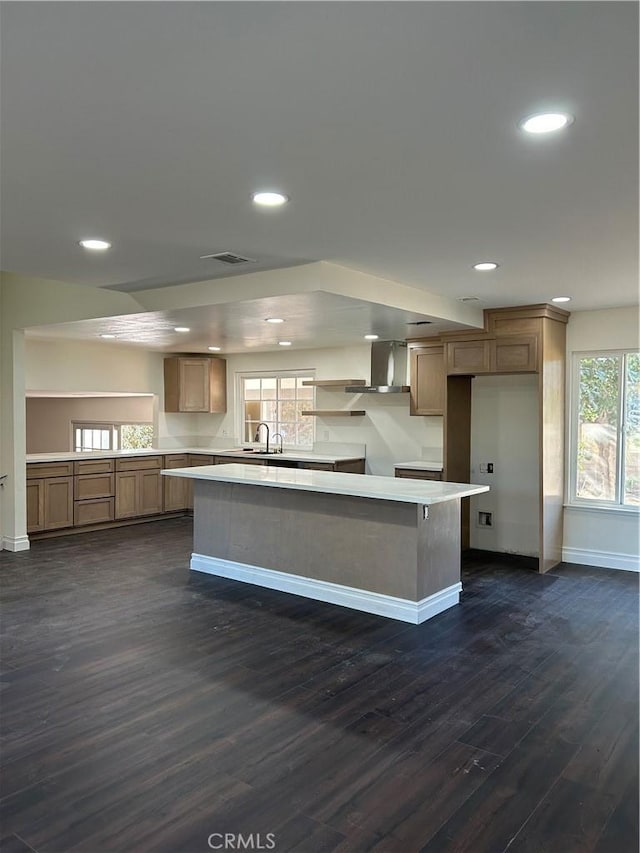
[278, 400]
[607, 467]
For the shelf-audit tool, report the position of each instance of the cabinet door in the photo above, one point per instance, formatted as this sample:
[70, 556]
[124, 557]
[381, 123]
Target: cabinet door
[427, 381]
[194, 395]
[35, 505]
[149, 492]
[175, 491]
[467, 357]
[58, 503]
[126, 491]
[515, 355]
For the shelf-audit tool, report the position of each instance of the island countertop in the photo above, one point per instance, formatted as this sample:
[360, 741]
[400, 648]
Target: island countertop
[329, 482]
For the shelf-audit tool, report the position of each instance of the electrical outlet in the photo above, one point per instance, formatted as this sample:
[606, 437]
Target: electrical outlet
[489, 467]
[224, 433]
[485, 519]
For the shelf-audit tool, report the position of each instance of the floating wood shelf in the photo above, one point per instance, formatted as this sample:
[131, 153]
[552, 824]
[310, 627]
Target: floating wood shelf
[334, 383]
[337, 413]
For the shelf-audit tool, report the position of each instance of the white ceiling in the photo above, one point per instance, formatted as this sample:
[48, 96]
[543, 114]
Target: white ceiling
[392, 126]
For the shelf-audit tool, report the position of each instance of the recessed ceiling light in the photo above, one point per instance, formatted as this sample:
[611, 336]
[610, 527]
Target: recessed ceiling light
[545, 122]
[561, 299]
[182, 329]
[214, 349]
[485, 266]
[108, 337]
[371, 337]
[285, 343]
[269, 199]
[275, 320]
[98, 245]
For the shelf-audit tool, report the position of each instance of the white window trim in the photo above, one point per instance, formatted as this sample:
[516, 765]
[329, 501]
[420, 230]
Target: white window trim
[101, 425]
[574, 502]
[261, 374]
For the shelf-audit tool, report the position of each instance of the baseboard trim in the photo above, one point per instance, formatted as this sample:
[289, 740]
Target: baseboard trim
[15, 543]
[414, 612]
[602, 559]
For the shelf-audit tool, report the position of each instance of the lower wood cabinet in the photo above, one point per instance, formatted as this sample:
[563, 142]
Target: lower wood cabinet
[49, 504]
[49, 498]
[138, 493]
[176, 494]
[418, 474]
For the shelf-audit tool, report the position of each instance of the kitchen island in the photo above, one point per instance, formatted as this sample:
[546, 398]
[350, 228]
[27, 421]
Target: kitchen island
[378, 544]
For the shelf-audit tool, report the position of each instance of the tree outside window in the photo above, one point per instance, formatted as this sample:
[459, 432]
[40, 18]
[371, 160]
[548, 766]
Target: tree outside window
[608, 429]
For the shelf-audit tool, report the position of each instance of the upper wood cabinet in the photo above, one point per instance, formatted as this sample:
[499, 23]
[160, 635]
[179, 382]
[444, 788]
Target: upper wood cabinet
[427, 380]
[464, 357]
[515, 354]
[508, 354]
[195, 384]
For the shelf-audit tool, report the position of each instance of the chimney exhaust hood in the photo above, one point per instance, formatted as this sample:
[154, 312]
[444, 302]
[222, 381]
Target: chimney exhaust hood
[388, 369]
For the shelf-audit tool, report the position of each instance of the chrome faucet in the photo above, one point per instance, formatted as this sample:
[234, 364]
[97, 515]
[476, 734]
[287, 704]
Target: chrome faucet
[257, 435]
[279, 435]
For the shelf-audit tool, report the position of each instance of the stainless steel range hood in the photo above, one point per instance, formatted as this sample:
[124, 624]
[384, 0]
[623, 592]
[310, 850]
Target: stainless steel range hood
[388, 369]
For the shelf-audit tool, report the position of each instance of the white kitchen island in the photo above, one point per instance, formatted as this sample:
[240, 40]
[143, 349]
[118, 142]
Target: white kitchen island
[379, 544]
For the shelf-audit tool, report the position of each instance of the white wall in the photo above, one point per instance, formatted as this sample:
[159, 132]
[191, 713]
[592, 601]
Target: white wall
[600, 537]
[63, 365]
[49, 419]
[504, 431]
[390, 434]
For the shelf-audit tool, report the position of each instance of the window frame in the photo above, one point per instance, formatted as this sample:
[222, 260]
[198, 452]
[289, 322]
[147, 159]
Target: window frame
[294, 373]
[574, 501]
[113, 426]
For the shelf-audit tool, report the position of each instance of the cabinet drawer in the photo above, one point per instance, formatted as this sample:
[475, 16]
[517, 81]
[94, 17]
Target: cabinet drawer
[238, 460]
[38, 470]
[418, 474]
[88, 486]
[93, 466]
[176, 460]
[317, 466]
[93, 511]
[139, 463]
[200, 459]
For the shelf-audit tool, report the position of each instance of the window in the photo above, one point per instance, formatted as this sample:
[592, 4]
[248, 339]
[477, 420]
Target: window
[112, 436]
[606, 434]
[277, 399]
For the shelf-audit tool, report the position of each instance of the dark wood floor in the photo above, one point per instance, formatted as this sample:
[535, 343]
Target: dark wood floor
[145, 708]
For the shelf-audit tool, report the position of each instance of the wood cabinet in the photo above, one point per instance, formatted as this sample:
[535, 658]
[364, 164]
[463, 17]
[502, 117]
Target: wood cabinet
[195, 384]
[175, 489]
[418, 474]
[427, 380]
[93, 491]
[138, 487]
[515, 354]
[468, 357]
[49, 496]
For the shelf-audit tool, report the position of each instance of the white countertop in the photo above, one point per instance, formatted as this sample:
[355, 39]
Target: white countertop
[420, 465]
[294, 456]
[356, 485]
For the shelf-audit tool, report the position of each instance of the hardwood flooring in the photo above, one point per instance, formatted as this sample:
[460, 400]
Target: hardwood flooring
[148, 708]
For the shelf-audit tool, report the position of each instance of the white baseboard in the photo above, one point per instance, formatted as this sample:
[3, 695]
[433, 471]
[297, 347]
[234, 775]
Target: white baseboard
[347, 596]
[602, 559]
[15, 543]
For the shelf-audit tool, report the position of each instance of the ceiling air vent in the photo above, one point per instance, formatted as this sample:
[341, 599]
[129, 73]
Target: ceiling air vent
[419, 323]
[227, 258]
[469, 299]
